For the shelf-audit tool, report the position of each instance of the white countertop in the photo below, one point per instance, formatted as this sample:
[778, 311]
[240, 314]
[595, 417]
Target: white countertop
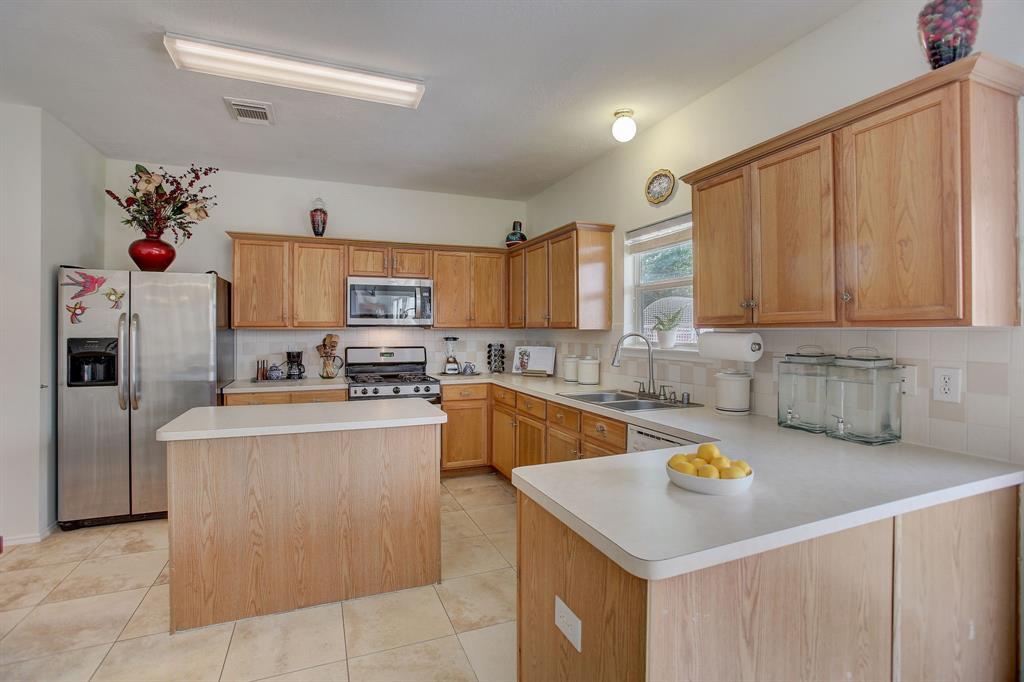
[309, 384]
[202, 423]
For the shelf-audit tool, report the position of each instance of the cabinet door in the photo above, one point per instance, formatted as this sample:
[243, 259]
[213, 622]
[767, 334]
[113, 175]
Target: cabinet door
[562, 446]
[721, 249]
[318, 285]
[562, 272]
[260, 288]
[368, 261]
[258, 398]
[503, 440]
[464, 438]
[900, 248]
[793, 235]
[488, 290]
[452, 303]
[530, 437]
[593, 450]
[410, 263]
[537, 285]
[517, 289]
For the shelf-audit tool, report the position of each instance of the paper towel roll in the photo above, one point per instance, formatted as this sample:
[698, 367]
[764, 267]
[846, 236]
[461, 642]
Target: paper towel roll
[743, 347]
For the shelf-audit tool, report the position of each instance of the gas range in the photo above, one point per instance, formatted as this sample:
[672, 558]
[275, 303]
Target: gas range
[389, 372]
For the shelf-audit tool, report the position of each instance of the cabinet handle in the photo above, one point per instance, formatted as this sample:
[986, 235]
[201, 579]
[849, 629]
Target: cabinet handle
[744, 304]
[574, 453]
[846, 297]
[753, 303]
[529, 403]
[464, 393]
[600, 428]
[559, 416]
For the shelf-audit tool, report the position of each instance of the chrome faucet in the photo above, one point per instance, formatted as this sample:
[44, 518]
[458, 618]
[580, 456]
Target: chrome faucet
[617, 362]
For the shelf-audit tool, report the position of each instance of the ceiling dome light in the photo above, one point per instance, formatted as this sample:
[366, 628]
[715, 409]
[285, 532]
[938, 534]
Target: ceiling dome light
[624, 127]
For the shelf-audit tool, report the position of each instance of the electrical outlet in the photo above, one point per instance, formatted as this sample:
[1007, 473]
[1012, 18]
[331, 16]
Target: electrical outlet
[569, 623]
[908, 380]
[947, 384]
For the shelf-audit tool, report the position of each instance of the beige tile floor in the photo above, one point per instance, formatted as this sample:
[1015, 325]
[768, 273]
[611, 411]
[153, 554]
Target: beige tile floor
[92, 604]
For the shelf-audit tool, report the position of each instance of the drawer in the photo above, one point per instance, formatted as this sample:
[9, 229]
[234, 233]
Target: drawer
[333, 396]
[464, 392]
[505, 396]
[563, 417]
[527, 404]
[257, 398]
[610, 433]
[590, 450]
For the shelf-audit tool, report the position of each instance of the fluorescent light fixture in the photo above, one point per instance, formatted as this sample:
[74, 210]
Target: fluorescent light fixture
[219, 59]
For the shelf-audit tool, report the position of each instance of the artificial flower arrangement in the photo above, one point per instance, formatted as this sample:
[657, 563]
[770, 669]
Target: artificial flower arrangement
[159, 201]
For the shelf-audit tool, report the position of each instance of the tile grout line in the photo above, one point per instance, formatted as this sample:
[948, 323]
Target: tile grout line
[344, 640]
[121, 631]
[227, 649]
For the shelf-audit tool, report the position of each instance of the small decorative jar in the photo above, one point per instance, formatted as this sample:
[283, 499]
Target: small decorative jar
[516, 236]
[947, 29]
[318, 217]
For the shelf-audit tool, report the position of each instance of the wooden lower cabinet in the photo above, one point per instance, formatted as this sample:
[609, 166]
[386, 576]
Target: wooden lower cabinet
[589, 449]
[562, 446]
[503, 440]
[943, 580]
[530, 440]
[318, 396]
[465, 438]
[284, 397]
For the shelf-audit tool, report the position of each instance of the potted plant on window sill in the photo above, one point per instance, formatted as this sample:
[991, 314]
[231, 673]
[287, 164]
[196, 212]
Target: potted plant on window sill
[665, 327]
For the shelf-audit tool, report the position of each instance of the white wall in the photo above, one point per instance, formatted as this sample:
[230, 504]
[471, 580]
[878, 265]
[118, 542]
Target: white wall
[50, 213]
[73, 175]
[20, 316]
[264, 203]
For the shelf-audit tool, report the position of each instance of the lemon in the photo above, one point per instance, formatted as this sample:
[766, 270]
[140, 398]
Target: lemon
[742, 465]
[691, 457]
[698, 462]
[708, 471]
[677, 459]
[707, 451]
[684, 468]
[721, 462]
[733, 472]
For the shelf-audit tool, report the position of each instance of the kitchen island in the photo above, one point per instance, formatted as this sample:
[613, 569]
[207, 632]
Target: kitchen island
[277, 507]
[841, 562]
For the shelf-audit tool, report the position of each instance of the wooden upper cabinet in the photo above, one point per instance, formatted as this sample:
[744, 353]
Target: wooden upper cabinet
[488, 290]
[562, 282]
[517, 289]
[721, 250]
[901, 248]
[260, 283]
[368, 261]
[452, 300]
[318, 285]
[793, 235]
[410, 263]
[537, 314]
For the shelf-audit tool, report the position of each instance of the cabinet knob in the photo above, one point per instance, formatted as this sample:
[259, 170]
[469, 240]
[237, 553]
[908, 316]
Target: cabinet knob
[559, 416]
[846, 297]
[600, 428]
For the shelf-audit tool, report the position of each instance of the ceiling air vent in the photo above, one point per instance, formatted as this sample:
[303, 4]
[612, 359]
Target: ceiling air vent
[250, 111]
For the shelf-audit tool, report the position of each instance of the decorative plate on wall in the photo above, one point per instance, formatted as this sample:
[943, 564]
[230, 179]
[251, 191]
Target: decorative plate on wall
[660, 185]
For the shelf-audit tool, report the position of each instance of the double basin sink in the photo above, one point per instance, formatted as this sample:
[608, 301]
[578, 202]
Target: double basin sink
[625, 402]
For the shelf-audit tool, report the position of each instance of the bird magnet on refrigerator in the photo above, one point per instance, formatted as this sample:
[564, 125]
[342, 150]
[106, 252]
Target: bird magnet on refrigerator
[77, 309]
[114, 296]
[87, 284]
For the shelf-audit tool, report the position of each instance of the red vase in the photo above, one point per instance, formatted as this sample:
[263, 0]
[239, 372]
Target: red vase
[152, 254]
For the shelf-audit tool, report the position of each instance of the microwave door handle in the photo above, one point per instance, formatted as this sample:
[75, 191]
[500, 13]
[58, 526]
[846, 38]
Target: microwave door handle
[122, 361]
[133, 341]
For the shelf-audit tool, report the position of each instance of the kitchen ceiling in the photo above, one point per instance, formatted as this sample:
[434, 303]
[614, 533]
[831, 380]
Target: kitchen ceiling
[518, 94]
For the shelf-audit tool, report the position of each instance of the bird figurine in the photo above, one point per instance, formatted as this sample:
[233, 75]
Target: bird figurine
[114, 296]
[87, 284]
[77, 309]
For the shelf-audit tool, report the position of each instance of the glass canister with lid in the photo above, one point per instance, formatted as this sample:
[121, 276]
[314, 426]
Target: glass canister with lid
[864, 398]
[802, 379]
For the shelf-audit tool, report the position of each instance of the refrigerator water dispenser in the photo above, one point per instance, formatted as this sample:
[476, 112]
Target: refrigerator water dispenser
[92, 362]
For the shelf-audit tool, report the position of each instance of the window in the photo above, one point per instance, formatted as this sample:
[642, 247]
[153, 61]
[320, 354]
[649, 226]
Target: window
[661, 256]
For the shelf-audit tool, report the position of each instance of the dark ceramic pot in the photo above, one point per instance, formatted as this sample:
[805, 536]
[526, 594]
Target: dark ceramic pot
[516, 236]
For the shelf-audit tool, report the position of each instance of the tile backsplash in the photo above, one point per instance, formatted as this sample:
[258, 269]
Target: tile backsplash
[989, 421]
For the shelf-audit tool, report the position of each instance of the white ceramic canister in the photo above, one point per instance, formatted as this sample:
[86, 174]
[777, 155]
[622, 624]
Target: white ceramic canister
[571, 368]
[732, 392]
[589, 372]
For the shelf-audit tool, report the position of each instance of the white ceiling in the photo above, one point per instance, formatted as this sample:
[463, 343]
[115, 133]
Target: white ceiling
[519, 94]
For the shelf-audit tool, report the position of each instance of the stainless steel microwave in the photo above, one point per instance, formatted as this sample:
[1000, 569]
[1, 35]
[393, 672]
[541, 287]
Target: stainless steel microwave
[384, 302]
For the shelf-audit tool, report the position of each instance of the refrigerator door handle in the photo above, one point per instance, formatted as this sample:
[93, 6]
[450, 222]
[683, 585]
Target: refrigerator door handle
[122, 361]
[133, 341]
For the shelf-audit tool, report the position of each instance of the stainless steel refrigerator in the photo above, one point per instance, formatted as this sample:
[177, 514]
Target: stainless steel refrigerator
[135, 350]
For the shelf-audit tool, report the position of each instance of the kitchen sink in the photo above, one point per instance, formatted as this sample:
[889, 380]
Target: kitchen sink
[600, 397]
[625, 402]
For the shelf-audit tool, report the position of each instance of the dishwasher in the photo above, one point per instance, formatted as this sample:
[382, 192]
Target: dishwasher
[641, 439]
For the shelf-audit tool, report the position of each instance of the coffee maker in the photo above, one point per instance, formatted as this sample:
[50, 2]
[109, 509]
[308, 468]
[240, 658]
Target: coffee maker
[296, 370]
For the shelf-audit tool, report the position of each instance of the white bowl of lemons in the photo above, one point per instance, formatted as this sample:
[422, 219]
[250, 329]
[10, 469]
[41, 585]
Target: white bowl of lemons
[709, 472]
